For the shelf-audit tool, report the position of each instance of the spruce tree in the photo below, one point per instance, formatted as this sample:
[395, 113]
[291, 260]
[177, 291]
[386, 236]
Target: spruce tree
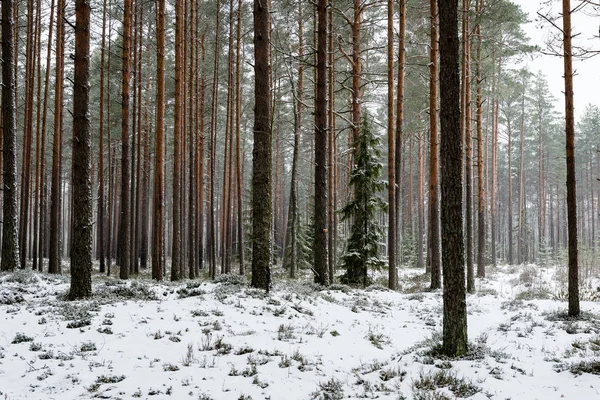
[363, 244]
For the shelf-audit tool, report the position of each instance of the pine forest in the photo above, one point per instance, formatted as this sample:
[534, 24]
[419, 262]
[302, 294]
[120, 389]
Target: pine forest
[292, 199]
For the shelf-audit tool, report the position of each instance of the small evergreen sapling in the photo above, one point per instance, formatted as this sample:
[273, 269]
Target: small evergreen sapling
[363, 244]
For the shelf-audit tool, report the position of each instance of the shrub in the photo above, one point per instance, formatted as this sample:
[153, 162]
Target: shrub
[21, 338]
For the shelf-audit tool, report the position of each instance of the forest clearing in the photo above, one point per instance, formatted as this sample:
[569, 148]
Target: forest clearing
[223, 340]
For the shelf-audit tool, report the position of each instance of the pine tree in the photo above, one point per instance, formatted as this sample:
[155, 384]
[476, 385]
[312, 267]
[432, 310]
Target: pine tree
[363, 244]
[10, 247]
[81, 250]
[455, 307]
[261, 161]
[320, 204]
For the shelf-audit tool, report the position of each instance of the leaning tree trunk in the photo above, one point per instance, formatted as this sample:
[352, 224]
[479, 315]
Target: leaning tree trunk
[81, 242]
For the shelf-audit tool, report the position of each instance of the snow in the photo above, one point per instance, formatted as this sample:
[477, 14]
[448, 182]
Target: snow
[140, 339]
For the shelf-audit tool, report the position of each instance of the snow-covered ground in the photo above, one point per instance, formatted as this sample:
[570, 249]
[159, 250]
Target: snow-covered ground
[204, 340]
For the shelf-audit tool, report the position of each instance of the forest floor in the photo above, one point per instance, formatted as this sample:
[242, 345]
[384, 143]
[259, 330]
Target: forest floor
[223, 340]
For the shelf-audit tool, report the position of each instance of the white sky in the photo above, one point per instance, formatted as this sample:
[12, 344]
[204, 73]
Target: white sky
[587, 78]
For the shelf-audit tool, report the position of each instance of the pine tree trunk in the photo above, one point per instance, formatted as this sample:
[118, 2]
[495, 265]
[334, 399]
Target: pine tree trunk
[570, 152]
[176, 260]
[421, 205]
[238, 150]
[10, 246]
[201, 158]
[125, 224]
[101, 201]
[191, 218]
[467, 133]
[81, 247]
[434, 209]
[455, 307]
[159, 161]
[521, 254]
[495, 117]
[292, 231]
[392, 272]
[213, 151]
[480, 155]
[37, 215]
[510, 193]
[42, 229]
[320, 210]
[261, 162]
[27, 137]
[55, 207]
[398, 160]
[332, 149]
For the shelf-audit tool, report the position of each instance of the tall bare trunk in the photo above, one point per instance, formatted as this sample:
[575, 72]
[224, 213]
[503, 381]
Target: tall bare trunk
[570, 151]
[238, 150]
[81, 247]
[55, 207]
[510, 193]
[125, 223]
[159, 161]
[392, 272]
[455, 308]
[101, 204]
[10, 246]
[320, 210]
[399, 122]
[480, 157]
[27, 136]
[176, 259]
[261, 172]
[434, 210]
[466, 122]
[213, 151]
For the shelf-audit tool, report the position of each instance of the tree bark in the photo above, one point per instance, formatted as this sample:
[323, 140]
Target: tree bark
[434, 209]
[238, 150]
[399, 122]
[55, 207]
[454, 297]
[125, 241]
[101, 201]
[466, 121]
[176, 259]
[81, 245]
[10, 246]
[320, 210]
[392, 272]
[261, 154]
[27, 136]
[212, 245]
[574, 309]
[480, 173]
